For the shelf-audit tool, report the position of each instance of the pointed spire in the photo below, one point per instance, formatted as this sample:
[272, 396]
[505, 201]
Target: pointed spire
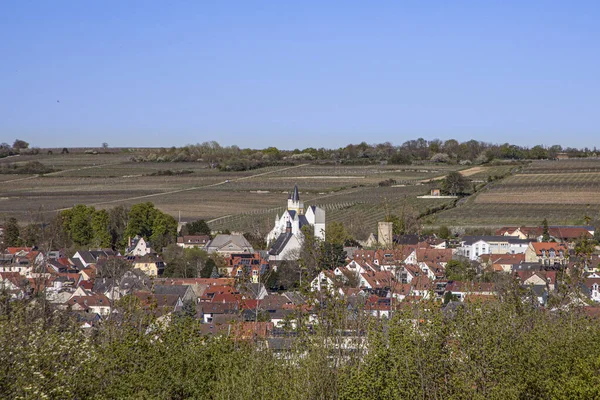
[296, 196]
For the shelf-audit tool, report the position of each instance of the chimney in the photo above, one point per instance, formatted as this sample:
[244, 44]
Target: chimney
[129, 241]
[288, 227]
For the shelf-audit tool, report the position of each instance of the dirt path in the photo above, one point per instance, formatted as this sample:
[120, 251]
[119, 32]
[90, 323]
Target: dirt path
[148, 196]
[464, 172]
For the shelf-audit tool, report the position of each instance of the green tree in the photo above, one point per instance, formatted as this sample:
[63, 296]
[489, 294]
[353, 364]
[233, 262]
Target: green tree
[20, 144]
[460, 271]
[336, 233]
[140, 220]
[198, 227]
[333, 255]
[12, 235]
[119, 217]
[454, 183]
[101, 229]
[78, 224]
[546, 231]
[444, 232]
[164, 230]
[208, 268]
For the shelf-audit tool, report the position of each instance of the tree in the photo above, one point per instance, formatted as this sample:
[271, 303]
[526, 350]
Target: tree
[198, 227]
[32, 235]
[333, 255]
[208, 268]
[257, 241]
[119, 217]
[164, 230]
[113, 268]
[101, 229]
[336, 233]
[444, 232]
[185, 263]
[12, 235]
[454, 183]
[77, 222]
[141, 220]
[460, 271]
[20, 145]
[546, 231]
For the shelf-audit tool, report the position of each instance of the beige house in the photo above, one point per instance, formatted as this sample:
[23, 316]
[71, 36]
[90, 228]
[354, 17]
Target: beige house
[151, 265]
[546, 253]
[188, 242]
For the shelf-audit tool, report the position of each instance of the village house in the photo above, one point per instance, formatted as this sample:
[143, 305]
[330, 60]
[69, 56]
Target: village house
[547, 253]
[227, 245]
[151, 264]
[463, 289]
[138, 247]
[247, 265]
[591, 287]
[556, 233]
[472, 247]
[190, 242]
[325, 281]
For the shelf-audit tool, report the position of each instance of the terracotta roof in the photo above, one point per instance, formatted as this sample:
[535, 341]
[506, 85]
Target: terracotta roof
[440, 255]
[15, 250]
[547, 246]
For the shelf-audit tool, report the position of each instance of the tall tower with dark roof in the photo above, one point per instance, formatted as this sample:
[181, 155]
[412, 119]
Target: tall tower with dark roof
[294, 202]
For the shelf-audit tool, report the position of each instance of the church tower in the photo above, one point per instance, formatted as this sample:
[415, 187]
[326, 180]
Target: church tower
[294, 203]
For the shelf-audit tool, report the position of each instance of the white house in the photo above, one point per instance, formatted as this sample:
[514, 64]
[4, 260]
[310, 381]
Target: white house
[138, 247]
[325, 281]
[472, 247]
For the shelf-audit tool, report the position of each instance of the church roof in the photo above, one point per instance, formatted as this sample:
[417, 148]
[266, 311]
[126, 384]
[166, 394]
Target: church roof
[303, 220]
[280, 243]
[296, 195]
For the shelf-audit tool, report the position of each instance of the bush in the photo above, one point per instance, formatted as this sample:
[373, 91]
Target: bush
[387, 182]
[29, 168]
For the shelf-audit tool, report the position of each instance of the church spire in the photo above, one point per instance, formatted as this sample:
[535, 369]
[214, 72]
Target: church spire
[296, 195]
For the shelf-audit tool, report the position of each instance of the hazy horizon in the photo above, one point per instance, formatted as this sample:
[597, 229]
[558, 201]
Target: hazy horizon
[260, 74]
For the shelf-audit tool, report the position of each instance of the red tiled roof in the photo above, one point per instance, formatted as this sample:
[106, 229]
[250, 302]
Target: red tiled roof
[15, 250]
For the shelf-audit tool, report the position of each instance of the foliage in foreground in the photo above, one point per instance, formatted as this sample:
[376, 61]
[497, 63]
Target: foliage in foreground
[491, 351]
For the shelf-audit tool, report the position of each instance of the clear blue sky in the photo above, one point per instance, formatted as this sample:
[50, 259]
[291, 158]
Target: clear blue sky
[319, 74]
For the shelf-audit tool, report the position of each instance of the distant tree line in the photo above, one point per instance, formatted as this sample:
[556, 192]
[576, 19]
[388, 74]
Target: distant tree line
[411, 151]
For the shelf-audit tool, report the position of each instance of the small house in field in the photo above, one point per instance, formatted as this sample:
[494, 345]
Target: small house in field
[562, 156]
[436, 192]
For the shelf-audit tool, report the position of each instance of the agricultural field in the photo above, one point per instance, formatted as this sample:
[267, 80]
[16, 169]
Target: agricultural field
[108, 180]
[358, 208]
[564, 192]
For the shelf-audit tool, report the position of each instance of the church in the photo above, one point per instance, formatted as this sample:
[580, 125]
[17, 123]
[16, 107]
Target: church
[286, 237]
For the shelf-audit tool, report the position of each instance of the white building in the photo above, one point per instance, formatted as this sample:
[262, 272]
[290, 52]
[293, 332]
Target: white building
[472, 247]
[286, 236]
